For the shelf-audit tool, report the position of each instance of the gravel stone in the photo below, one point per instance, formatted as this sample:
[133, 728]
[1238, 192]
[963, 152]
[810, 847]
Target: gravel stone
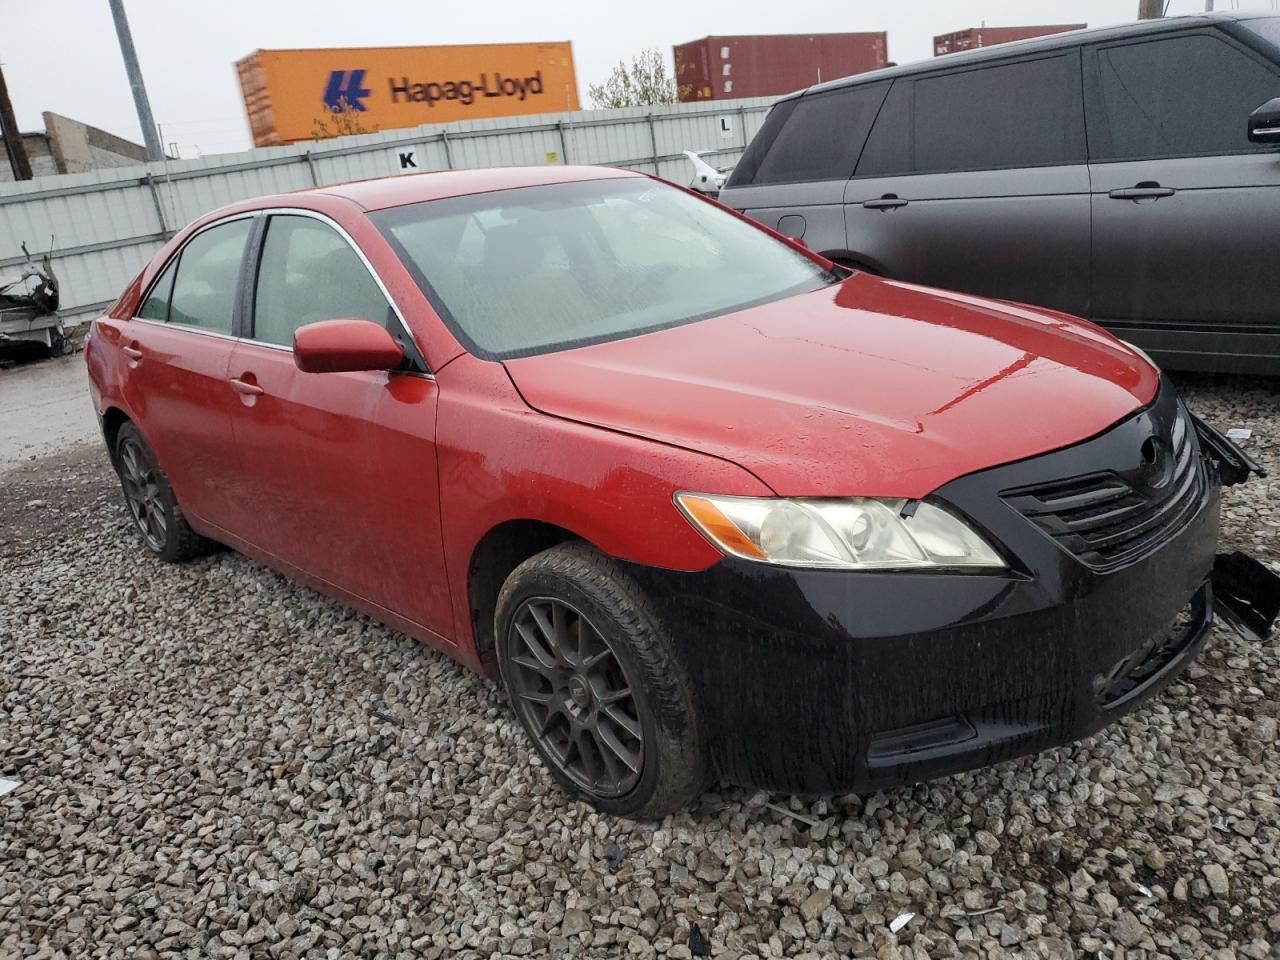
[815, 904]
[1127, 929]
[215, 761]
[1217, 879]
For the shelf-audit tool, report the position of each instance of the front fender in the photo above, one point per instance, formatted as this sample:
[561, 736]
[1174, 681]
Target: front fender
[500, 461]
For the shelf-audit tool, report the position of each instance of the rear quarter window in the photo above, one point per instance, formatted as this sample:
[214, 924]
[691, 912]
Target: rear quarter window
[156, 306]
[744, 171]
[823, 136]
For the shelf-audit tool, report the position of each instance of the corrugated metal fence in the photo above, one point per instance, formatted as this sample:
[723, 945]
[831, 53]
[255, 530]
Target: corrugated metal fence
[104, 225]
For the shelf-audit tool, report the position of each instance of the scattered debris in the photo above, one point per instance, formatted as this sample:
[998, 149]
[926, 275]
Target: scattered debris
[615, 855]
[792, 814]
[1239, 433]
[900, 921]
[699, 945]
[983, 913]
[8, 785]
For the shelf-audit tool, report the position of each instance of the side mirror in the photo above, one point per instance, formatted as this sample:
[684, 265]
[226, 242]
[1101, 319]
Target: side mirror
[332, 346]
[1264, 123]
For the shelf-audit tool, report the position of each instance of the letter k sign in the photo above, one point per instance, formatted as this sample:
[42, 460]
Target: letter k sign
[345, 91]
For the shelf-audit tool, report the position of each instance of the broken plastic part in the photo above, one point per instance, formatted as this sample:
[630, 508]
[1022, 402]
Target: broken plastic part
[1234, 465]
[1246, 595]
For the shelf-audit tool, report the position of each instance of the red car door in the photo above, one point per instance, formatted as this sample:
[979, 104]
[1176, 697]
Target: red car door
[176, 353]
[340, 468]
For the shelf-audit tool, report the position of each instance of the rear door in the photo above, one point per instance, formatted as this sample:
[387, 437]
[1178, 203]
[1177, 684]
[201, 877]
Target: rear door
[1186, 210]
[974, 179]
[340, 468]
[792, 178]
[176, 352]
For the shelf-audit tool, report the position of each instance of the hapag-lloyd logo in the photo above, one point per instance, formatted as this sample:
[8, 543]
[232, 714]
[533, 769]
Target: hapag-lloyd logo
[345, 90]
[464, 91]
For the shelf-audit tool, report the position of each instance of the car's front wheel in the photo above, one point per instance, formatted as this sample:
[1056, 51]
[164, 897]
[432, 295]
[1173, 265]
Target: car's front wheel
[597, 686]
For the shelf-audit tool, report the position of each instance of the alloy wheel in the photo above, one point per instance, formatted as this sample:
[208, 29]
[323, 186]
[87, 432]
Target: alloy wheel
[575, 697]
[142, 491]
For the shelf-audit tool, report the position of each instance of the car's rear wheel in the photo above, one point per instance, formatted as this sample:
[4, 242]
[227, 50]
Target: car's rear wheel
[596, 684]
[152, 505]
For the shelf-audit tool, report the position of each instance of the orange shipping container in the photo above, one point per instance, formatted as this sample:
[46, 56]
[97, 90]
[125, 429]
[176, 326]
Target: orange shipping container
[287, 92]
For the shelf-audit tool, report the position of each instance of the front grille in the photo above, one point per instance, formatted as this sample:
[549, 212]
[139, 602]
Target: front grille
[1107, 520]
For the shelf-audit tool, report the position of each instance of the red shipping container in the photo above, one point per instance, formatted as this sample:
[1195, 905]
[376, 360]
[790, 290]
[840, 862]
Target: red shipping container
[726, 68]
[990, 36]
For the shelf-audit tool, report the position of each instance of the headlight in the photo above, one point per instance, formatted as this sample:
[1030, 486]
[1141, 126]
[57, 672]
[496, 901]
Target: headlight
[1142, 353]
[859, 533]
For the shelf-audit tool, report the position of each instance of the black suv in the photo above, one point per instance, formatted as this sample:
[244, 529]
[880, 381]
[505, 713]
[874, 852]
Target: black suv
[1130, 175]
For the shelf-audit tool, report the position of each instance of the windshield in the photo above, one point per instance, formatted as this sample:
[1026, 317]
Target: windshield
[1266, 27]
[537, 269]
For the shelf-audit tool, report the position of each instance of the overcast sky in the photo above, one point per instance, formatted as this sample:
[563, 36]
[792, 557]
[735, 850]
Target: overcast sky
[61, 55]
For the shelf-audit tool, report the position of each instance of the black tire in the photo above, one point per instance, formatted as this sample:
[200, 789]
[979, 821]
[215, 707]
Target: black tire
[574, 578]
[150, 501]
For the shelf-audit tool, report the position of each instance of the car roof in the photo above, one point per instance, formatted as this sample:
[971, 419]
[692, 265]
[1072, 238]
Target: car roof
[1053, 41]
[396, 191]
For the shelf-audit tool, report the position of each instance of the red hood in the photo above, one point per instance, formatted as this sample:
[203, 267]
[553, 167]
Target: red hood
[868, 387]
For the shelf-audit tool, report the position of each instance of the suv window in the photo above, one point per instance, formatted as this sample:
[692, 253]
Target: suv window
[1177, 96]
[204, 291]
[1020, 114]
[888, 149]
[308, 272]
[156, 306]
[823, 136]
[744, 171]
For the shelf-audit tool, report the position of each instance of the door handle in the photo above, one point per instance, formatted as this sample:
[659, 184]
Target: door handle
[133, 353]
[245, 388]
[890, 201]
[1146, 190]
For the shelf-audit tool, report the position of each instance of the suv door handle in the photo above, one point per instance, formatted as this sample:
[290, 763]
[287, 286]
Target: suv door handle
[133, 353]
[1147, 190]
[889, 201]
[245, 388]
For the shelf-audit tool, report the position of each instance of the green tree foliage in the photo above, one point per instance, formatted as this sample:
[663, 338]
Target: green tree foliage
[339, 123]
[647, 81]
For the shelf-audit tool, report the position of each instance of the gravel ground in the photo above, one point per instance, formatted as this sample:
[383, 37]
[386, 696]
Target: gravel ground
[44, 407]
[216, 762]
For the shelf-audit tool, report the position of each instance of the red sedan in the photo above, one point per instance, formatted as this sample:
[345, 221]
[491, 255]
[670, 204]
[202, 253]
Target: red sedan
[705, 502]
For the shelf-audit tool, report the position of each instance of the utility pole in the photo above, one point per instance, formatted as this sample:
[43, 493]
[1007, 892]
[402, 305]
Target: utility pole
[13, 144]
[1150, 9]
[149, 134]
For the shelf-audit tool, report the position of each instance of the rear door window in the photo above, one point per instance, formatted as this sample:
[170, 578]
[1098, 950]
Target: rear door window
[308, 273]
[1177, 96]
[823, 136]
[204, 291]
[1021, 114]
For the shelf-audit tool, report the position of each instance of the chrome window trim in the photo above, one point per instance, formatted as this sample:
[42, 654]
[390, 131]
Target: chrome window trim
[189, 328]
[282, 211]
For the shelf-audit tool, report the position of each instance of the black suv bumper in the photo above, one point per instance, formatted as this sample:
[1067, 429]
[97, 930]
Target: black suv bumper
[826, 681]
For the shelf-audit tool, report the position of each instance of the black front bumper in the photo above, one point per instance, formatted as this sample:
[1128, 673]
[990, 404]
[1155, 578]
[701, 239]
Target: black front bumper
[826, 682]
